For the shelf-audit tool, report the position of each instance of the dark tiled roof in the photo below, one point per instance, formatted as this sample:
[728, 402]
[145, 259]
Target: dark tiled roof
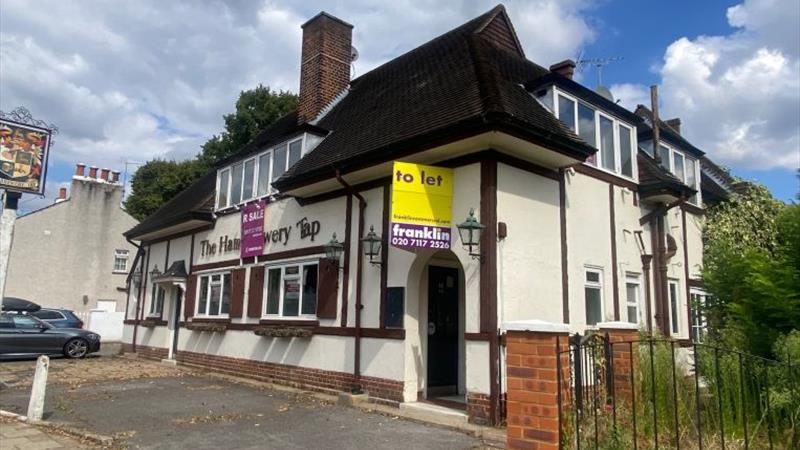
[667, 132]
[460, 82]
[654, 179]
[191, 204]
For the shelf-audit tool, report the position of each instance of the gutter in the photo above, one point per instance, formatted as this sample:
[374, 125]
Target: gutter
[356, 388]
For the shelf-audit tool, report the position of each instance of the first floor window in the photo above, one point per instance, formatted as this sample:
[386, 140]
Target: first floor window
[214, 296]
[698, 304]
[291, 290]
[157, 301]
[593, 296]
[633, 298]
[674, 306]
[120, 260]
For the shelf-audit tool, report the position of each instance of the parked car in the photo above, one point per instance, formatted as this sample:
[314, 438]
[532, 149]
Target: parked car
[59, 318]
[25, 335]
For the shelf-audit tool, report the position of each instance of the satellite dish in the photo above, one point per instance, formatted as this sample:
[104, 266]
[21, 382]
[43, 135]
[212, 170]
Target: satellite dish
[605, 92]
[353, 54]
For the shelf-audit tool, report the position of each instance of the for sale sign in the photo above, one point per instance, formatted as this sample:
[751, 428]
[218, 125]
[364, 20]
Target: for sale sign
[253, 229]
[422, 204]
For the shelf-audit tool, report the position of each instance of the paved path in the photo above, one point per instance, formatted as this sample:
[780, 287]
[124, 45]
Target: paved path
[15, 435]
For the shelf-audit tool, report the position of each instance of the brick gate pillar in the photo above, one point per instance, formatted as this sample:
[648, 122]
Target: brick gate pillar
[532, 354]
[623, 338]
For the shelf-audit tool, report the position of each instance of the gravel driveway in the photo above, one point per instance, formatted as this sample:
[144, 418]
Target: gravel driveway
[149, 405]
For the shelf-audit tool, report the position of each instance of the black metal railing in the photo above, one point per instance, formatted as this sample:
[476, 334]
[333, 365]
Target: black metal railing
[653, 393]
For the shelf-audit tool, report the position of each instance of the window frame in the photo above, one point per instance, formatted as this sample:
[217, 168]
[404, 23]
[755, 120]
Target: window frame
[205, 314]
[616, 122]
[674, 310]
[256, 159]
[696, 325]
[118, 255]
[670, 166]
[157, 297]
[599, 285]
[301, 264]
[634, 278]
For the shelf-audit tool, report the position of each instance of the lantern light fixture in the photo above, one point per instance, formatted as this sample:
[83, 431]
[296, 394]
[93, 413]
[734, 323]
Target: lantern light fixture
[334, 249]
[155, 273]
[372, 246]
[470, 231]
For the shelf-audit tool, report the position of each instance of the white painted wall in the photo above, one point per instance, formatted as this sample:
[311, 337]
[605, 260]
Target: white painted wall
[108, 324]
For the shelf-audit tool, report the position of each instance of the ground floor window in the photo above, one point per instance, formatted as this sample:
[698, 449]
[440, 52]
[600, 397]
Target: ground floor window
[633, 294]
[674, 306]
[698, 299]
[157, 301]
[214, 296]
[291, 290]
[593, 295]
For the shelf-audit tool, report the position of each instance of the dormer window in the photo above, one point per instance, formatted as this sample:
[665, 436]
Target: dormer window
[614, 139]
[680, 164]
[252, 178]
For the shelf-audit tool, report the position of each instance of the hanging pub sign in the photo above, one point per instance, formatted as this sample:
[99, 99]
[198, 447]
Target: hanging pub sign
[253, 229]
[422, 203]
[23, 157]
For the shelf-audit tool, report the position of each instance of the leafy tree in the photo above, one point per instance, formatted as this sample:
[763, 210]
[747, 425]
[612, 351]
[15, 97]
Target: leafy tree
[752, 248]
[157, 181]
[255, 110]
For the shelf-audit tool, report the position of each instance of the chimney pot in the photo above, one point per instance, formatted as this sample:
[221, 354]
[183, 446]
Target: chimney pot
[104, 174]
[79, 169]
[92, 172]
[675, 124]
[564, 68]
[114, 176]
[62, 193]
[324, 64]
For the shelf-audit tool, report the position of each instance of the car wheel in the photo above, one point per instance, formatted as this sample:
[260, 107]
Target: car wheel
[76, 348]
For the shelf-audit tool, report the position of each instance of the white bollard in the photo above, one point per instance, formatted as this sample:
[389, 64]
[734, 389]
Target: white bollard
[36, 405]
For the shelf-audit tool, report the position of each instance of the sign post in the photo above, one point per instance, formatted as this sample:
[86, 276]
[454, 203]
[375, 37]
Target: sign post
[422, 206]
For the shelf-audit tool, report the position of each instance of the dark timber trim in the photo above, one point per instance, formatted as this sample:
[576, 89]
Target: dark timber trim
[179, 234]
[605, 176]
[384, 253]
[562, 215]
[686, 272]
[488, 281]
[348, 230]
[614, 267]
[305, 251]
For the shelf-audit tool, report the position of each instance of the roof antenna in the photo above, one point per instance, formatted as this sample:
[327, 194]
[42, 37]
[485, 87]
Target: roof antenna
[598, 64]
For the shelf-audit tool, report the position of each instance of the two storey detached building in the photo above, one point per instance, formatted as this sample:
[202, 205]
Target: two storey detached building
[584, 222]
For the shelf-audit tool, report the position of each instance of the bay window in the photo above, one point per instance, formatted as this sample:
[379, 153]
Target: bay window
[252, 178]
[291, 291]
[614, 139]
[214, 295]
[683, 166]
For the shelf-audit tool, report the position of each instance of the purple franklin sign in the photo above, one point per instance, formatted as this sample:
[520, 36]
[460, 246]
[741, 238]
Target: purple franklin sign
[253, 229]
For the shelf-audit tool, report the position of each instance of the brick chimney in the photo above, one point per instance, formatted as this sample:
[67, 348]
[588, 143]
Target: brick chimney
[324, 63]
[104, 174]
[675, 124]
[93, 172]
[80, 169]
[564, 68]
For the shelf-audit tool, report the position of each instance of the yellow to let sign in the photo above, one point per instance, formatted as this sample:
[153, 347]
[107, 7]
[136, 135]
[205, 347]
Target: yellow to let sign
[422, 195]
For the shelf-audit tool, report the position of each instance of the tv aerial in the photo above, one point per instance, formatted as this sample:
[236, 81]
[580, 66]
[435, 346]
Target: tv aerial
[598, 63]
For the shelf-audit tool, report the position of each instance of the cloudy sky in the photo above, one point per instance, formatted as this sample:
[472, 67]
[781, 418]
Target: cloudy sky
[134, 80]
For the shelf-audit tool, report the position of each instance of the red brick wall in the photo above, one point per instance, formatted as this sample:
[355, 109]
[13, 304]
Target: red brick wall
[479, 408]
[625, 355]
[146, 351]
[532, 398]
[382, 390]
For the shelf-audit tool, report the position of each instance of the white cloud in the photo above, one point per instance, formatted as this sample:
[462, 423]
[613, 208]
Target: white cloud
[136, 80]
[629, 95]
[739, 95]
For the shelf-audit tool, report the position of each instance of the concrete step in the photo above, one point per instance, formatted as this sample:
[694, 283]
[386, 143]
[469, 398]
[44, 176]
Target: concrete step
[440, 415]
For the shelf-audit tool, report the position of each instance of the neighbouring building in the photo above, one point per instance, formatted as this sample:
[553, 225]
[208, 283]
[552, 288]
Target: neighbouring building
[72, 254]
[583, 222]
